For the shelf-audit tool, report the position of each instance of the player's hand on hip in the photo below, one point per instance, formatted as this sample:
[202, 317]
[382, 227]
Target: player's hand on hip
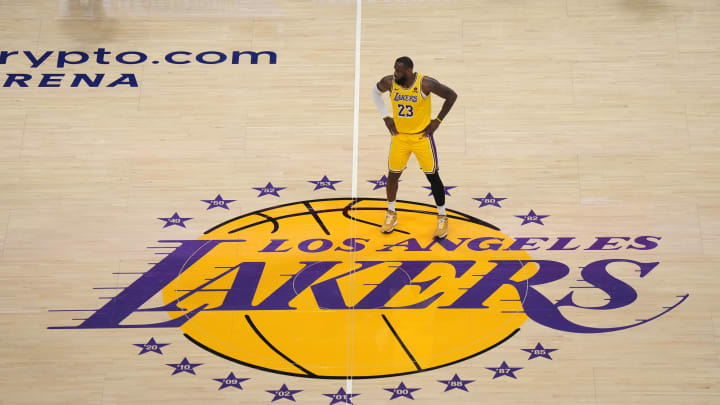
[430, 129]
[390, 124]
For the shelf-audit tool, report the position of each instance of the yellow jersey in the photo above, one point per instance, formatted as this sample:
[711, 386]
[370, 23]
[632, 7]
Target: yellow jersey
[411, 108]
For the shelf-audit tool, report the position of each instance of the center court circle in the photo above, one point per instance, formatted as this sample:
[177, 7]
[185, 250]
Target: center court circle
[316, 290]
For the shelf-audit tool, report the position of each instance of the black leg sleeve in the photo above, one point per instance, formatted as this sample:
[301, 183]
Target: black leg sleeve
[438, 189]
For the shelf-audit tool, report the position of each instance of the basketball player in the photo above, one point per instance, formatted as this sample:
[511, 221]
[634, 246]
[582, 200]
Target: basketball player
[412, 132]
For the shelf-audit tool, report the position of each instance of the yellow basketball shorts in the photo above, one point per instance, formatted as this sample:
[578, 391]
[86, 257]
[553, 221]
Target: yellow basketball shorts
[402, 145]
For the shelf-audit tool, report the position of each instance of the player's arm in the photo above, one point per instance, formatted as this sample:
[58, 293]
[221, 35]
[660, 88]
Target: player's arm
[385, 84]
[430, 85]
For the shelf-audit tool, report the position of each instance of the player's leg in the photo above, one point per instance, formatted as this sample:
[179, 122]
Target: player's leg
[393, 180]
[438, 191]
[397, 160]
[391, 215]
[426, 154]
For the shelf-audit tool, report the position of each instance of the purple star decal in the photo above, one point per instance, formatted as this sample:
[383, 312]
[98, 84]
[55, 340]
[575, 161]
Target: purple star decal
[184, 367]
[341, 396]
[324, 183]
[230, 381]
[489, 199]
[532, 217]
[447, 189]
[379, 183]
[539, 351]
[456, 382]
[283, 393]
[151, 346]
[218, 202]
[269, 189]
[174, 220]
[401, 391]
[504, 370]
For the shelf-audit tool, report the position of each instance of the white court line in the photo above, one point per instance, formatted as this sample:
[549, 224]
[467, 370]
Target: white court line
[356, 106]
[356, 120]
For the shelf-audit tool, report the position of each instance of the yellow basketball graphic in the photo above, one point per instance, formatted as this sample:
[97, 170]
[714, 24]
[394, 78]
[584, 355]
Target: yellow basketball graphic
[315, 289]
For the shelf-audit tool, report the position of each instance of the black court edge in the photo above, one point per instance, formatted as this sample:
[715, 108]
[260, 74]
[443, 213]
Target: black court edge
[464, 217]
[226, 357]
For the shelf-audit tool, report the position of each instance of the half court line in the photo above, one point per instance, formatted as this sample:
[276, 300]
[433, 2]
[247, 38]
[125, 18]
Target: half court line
[353, 225]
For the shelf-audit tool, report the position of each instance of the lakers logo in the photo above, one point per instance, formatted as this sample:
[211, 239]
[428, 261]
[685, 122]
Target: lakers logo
[314, 289]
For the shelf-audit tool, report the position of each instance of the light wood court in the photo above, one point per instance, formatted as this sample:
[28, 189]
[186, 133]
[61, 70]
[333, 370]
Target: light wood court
[587, 131]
